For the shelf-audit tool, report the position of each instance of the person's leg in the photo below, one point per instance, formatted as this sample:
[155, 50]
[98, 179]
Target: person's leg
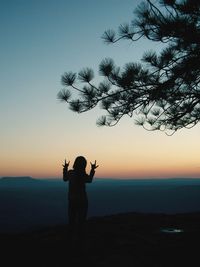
[82, 217]
[72, 211]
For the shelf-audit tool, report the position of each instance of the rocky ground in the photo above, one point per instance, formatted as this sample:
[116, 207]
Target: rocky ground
[130, 239]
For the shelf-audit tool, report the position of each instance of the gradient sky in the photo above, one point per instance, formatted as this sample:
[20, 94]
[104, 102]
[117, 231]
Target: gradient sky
[42, 39]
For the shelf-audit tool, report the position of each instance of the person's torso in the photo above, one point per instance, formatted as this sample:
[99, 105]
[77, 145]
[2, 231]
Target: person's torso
[77, 188]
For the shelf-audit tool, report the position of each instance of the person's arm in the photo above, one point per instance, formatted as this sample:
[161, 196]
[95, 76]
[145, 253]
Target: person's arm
[65, 171]
[89, 177]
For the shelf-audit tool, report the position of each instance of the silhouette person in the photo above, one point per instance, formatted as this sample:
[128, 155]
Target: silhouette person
[77, 195]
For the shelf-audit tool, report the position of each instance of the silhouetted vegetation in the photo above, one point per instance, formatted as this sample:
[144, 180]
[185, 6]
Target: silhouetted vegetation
[126, 239]
[163, 91]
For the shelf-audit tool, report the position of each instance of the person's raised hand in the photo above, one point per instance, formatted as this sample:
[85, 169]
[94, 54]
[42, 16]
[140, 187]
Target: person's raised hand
[94, 165]
[66, 165]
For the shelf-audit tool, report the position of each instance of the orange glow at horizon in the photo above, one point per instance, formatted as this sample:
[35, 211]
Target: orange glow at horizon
[120, 153]
[53, 169]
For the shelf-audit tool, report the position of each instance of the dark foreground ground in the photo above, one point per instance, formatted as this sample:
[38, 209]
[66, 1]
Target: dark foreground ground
[130, 239]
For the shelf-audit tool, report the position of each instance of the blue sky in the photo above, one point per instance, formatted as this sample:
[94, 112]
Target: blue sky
[40, 40]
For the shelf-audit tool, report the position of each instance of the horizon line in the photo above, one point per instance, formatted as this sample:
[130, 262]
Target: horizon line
[109, 178]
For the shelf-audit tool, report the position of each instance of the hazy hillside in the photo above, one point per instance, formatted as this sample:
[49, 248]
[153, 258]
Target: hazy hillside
[27, 203]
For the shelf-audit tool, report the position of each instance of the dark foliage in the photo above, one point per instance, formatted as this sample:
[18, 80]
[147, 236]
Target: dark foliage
[161, 93]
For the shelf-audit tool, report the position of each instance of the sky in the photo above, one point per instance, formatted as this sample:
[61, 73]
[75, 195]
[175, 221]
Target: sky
[42, 39]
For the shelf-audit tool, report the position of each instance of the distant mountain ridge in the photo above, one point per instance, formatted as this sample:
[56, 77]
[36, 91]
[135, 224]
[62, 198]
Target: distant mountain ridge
[12, 181]
[101, 182]
[17, 178]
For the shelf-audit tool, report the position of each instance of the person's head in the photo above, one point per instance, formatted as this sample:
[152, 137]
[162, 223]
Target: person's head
[80, 164]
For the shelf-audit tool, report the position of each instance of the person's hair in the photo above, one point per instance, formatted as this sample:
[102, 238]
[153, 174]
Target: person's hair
[80, 164]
